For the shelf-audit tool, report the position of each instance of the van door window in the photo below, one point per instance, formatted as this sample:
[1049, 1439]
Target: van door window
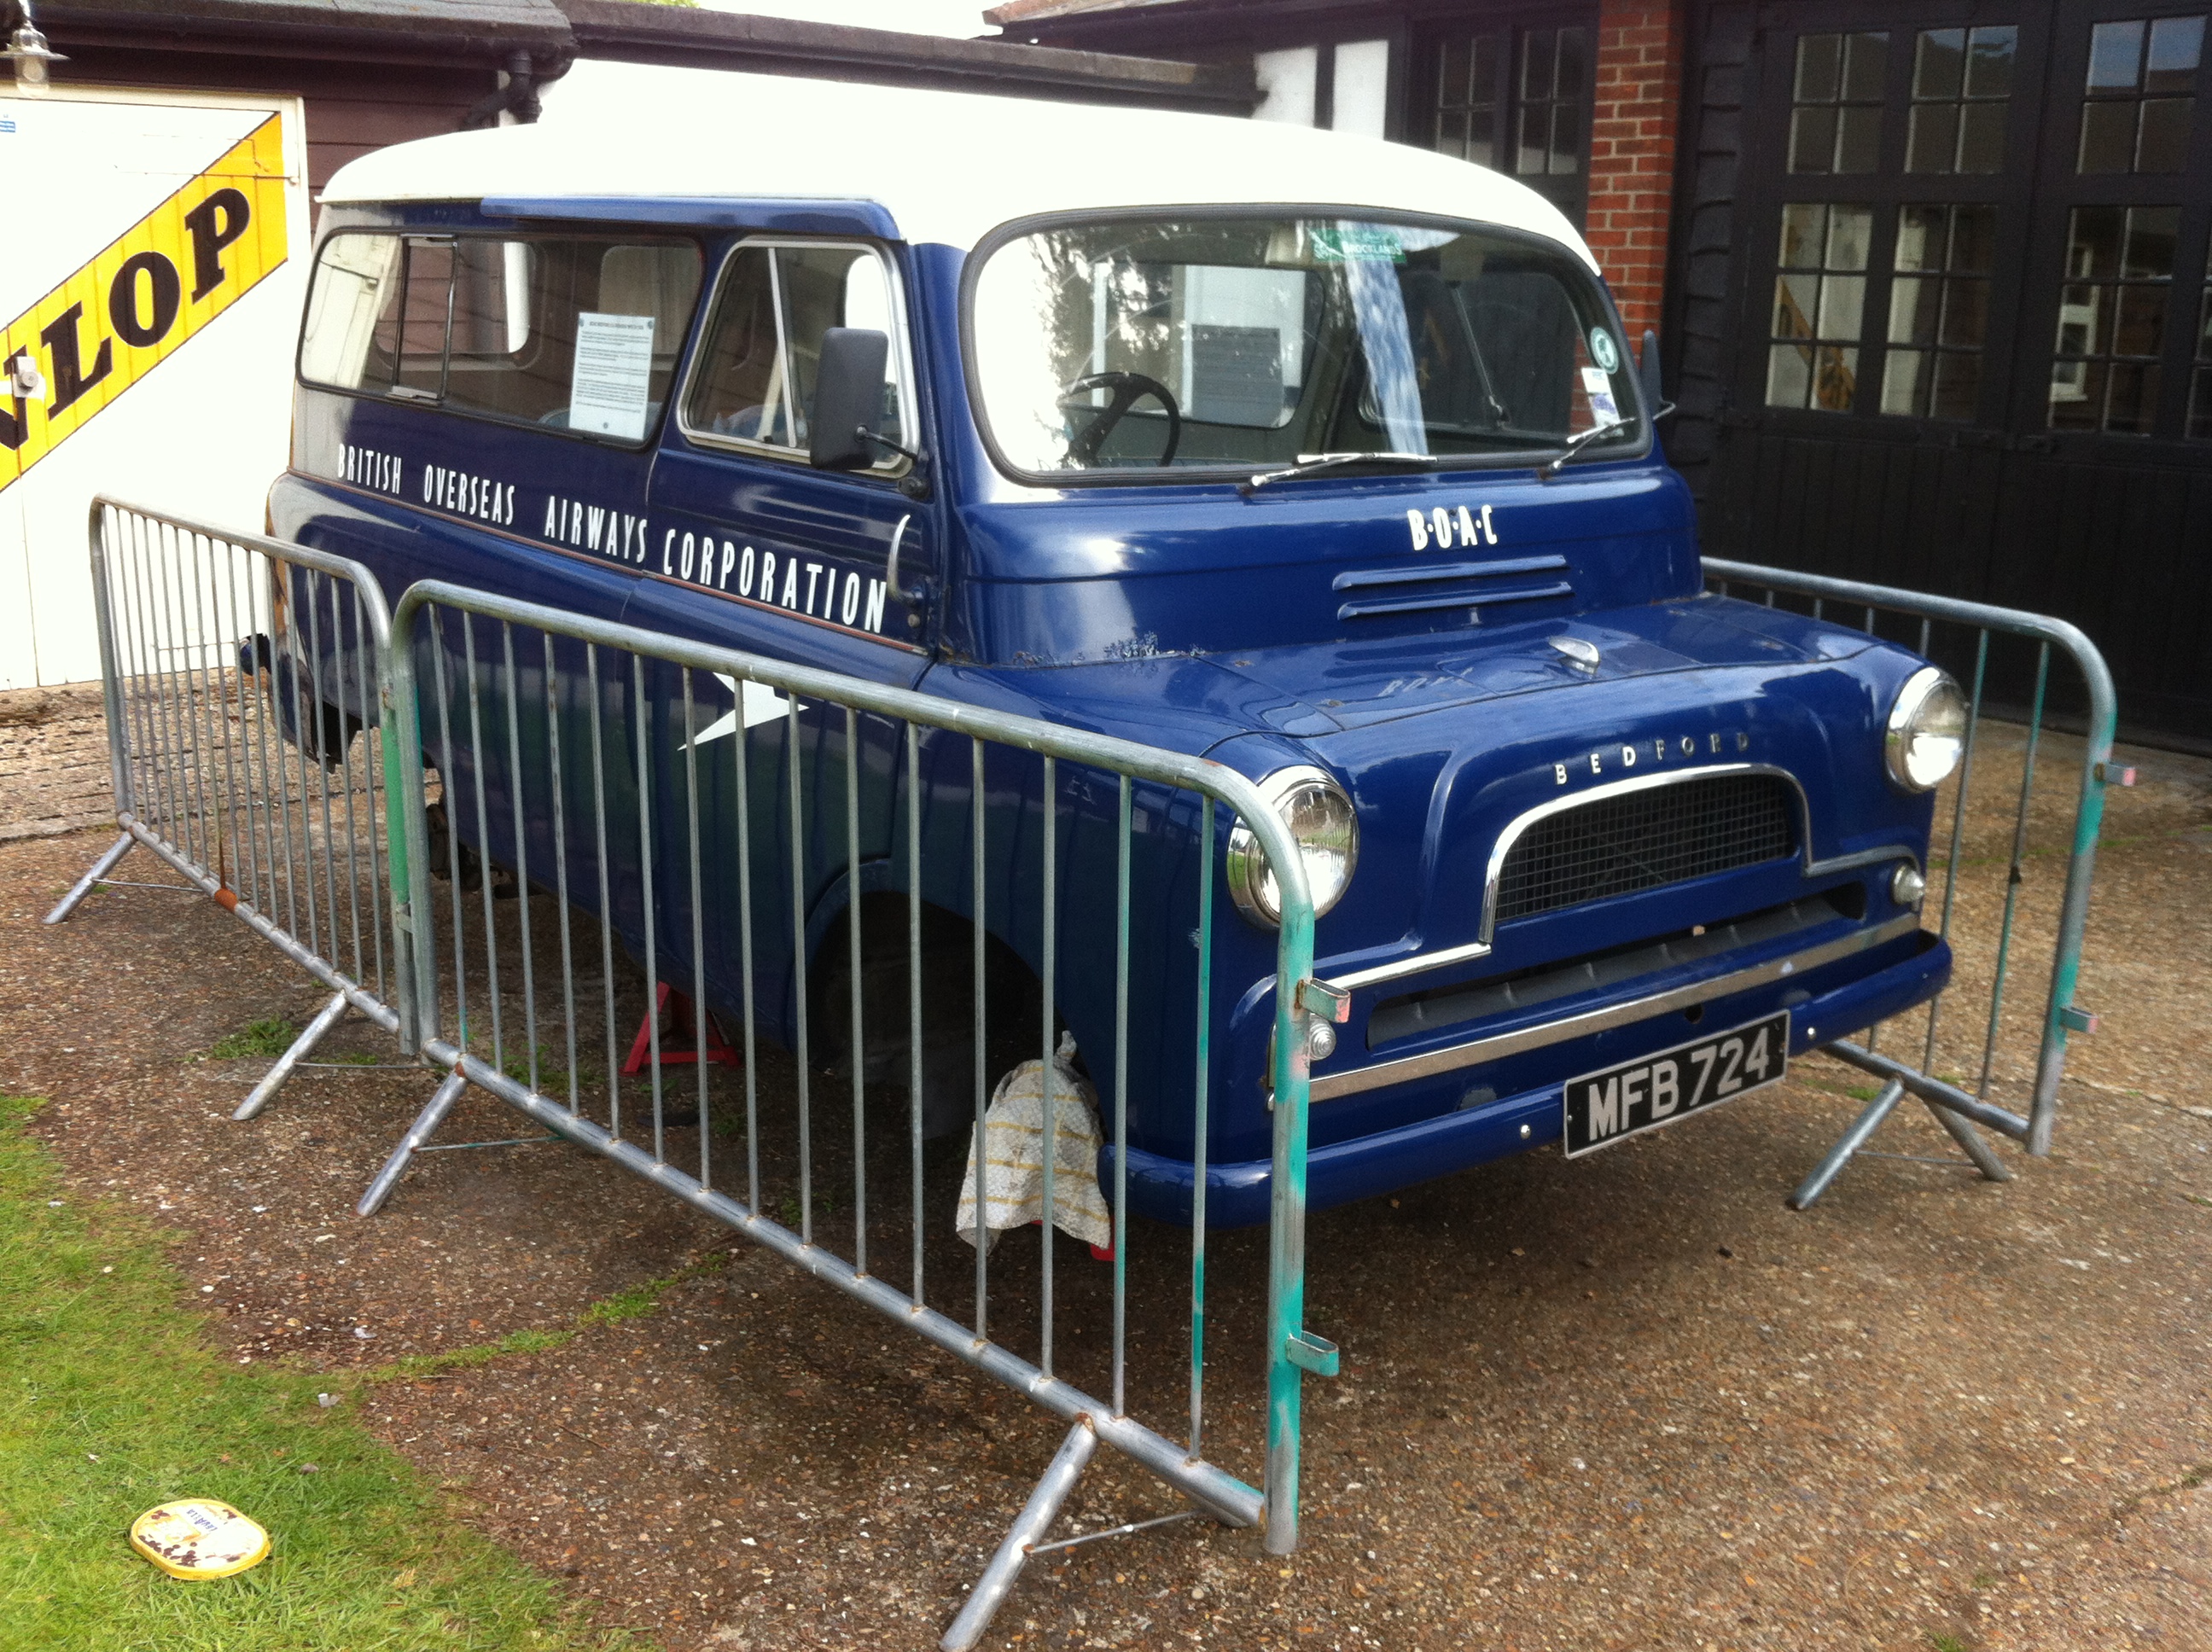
[572, 334]
[754, 383]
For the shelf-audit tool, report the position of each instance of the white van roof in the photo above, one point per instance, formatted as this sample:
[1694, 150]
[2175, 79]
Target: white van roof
[948, 167]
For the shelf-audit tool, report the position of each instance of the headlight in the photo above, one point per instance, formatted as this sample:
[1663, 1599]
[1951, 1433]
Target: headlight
[1322, 823]
[1927, 730]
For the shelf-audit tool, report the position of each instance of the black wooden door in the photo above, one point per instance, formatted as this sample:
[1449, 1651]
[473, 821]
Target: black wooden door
[1966, 304]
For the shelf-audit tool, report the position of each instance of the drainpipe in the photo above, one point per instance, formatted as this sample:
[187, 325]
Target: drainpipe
[517, 95]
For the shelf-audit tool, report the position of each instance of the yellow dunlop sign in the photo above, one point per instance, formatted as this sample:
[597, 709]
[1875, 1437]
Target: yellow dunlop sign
[112, 322]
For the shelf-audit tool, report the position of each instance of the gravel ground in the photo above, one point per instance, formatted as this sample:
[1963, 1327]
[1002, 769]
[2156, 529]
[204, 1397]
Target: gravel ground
[1630, 1402]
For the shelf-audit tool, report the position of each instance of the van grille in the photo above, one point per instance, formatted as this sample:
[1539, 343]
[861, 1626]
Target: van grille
[1644, 840]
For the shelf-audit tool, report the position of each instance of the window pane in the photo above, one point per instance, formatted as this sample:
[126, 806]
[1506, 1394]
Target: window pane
[423, 325]
[1818, 65]
[2176, 43]
[1804, 229]
[1813, 139]
[1965, 314]
[1973, 238]
[2151, 235]
[2108, 136]
[1939, 63]
[2200, 406]
[1858, 139]
[1921, 233]
[2115, 56]
[1569, 81]
[1902, 377]
[2079, 320]
[1451, 134]
[2093, 249]
[1989, 62]
[737, 388]
[1537, 63]
[2131, 400]
[353, 312]
[1796, 299]
[1866, 67]
[2141, 327]
[1566, 138]
[1850, 230]
[1835, 377]
[2077, 395]
[1958, 389]
[1533, 154]
[1981, 137]
[1913, 303]
[1453, 83]
[1788, 375]
[1933, 139]
[2163, 145]
[1843, 306]
[1482, 138]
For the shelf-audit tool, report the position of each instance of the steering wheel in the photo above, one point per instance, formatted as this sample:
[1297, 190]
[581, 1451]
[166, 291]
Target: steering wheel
[1128, 388]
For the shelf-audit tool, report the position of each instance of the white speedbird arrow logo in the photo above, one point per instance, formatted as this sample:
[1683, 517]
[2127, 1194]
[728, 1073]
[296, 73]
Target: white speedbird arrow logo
[756, 703]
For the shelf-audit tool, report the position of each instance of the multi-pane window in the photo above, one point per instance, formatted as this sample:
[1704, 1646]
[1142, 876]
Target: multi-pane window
[2138, 104]
[1469, 99]
[1835, 123]
[1517, 98]
[1554, 80]
[2111, 317]
[1961, 85]
[1819, 303]
[1939, 311]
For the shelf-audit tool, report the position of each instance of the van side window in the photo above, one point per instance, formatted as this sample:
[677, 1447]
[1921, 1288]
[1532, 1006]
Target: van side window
[754, 379]
[571, 334]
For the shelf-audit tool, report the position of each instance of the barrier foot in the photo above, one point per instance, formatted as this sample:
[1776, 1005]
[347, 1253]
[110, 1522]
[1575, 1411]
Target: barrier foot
[1862, 1127]
[101, 868]
[425, 1127]
[1969, 1141]
[302, 1047]
[1037, 1515]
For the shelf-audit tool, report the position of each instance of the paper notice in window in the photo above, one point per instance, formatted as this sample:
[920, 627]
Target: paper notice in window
[614, 373]
[1597, 386]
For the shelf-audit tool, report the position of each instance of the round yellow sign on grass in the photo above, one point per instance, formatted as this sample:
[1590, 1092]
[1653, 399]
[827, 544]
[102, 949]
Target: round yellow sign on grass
[197, 1538]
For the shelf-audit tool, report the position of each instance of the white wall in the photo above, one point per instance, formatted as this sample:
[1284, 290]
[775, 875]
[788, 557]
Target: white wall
[203, 432]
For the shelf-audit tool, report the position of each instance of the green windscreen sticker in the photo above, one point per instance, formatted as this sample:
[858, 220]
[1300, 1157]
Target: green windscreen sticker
[1357, 243]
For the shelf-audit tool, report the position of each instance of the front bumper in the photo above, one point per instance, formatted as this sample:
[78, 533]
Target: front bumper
[1827, 989]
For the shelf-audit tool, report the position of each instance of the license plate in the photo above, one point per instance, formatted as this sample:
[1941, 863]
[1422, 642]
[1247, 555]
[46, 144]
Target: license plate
[1604, 1107]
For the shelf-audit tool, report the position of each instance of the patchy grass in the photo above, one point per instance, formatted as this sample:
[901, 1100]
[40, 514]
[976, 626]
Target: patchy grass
[635, 1302]
[270, 1038]
[110, 1403]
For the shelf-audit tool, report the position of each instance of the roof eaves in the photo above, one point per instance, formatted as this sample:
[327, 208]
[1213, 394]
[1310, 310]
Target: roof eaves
[622, 30]
[404, 31]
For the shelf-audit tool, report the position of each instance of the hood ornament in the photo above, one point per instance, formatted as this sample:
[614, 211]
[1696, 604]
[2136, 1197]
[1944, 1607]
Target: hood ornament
[1581, 655]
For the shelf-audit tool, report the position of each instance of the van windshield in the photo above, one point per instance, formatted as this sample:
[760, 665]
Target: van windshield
[1220, 341]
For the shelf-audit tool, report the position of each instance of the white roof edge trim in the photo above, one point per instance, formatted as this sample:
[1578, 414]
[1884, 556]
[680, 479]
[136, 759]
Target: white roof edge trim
[1039, 152]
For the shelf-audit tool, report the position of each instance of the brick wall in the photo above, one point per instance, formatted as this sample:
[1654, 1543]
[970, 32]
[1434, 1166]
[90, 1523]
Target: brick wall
[1632, 164]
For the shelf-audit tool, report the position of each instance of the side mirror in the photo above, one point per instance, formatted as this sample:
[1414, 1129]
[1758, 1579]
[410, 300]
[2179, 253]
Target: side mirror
[849, 399]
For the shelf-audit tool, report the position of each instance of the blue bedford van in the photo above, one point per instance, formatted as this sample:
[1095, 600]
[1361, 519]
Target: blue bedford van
[1324, 458]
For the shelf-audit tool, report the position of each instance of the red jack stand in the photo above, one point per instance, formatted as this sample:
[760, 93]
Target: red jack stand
[681, 1045]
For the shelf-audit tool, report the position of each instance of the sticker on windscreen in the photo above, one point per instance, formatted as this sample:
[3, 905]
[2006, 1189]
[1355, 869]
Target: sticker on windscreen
[1603, 350]
[1357, 243]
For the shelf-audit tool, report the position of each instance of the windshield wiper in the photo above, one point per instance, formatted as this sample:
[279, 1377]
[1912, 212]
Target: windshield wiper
[1550, 467]
[1316, 464]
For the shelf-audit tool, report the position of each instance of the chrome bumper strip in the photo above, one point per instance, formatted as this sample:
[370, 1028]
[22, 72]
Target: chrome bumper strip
[1328, 1086]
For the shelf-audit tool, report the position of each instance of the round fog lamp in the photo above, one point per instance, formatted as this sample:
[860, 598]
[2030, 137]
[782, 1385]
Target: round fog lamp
[1906, 885]
[1927, 730]
[1322, 823]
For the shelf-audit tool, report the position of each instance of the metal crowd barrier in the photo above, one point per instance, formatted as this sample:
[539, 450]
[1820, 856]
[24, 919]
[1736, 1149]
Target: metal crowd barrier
[1956, 1065]
[700, 810]
[242, 678]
